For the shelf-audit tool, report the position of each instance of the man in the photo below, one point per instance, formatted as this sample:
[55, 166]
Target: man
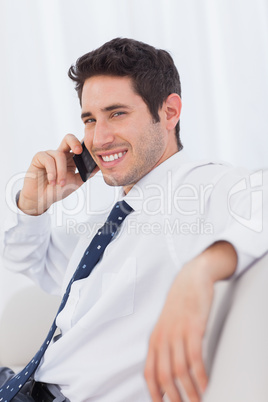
[163, 260]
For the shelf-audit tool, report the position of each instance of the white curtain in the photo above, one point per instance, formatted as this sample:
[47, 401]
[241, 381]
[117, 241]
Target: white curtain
[220, 48]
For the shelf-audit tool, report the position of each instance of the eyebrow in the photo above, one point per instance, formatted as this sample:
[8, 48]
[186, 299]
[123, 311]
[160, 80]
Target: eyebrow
[106, 109]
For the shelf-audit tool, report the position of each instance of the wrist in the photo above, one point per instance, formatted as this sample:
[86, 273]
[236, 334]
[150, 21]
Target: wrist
[28, 207]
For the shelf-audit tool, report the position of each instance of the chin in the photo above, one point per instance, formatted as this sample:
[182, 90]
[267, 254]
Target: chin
[112, 180]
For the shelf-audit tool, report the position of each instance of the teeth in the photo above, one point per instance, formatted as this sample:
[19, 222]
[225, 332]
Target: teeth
[113, 157]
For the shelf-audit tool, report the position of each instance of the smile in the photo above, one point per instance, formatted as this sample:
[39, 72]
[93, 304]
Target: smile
[112, 157]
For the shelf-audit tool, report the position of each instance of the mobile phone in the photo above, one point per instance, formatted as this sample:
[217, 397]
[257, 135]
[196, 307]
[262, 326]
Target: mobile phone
[84, 163]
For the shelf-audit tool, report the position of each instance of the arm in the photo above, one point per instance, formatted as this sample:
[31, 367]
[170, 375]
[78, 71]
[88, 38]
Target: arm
[31, 247]
[38, 249]
[175, 348]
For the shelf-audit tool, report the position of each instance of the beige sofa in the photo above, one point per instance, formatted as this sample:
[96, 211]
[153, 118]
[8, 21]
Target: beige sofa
[235, 345]
[237, 356]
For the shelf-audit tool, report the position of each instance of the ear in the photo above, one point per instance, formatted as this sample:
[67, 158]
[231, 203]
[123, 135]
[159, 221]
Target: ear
[172, 106]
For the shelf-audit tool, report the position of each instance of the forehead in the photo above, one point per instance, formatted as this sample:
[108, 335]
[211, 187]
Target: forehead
[101, 90]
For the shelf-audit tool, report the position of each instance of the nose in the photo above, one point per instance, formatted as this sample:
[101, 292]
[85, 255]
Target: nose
[102, 135]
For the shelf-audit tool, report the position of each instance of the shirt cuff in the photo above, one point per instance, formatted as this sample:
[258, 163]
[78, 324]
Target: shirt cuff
[246, 256]
[31, 224]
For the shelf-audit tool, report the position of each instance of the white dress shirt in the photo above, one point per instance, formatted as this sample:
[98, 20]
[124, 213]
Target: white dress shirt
[180, 208]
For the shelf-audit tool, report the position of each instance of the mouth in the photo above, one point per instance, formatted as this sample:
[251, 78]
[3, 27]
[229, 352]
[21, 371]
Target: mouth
[111, 159]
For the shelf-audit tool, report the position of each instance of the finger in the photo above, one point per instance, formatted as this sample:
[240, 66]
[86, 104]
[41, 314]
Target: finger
[150, 376]
[181, 371]
[55, 165]
[164, 374]
[70, 143]
[194, 352]
[43, 160]
[61, 166]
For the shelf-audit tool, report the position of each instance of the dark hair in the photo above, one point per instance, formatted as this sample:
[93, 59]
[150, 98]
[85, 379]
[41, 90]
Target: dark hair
[152, 71]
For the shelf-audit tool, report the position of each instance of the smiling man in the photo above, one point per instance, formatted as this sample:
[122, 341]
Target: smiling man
[133, 327]
[122, 137]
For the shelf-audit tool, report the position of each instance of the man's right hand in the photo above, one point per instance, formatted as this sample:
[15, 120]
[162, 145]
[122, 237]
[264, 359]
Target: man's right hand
[51, 177]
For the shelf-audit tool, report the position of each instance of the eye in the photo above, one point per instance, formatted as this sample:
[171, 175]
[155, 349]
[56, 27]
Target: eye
[116, 114]
[89, 121]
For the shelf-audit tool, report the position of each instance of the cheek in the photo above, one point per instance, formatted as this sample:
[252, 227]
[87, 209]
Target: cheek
[88, 137]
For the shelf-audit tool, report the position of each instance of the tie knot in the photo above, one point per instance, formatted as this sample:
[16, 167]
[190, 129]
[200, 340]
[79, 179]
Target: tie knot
[119, 212]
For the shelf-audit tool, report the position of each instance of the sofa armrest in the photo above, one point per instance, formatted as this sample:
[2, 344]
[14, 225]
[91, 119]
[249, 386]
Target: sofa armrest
[236, 345]
[24, 324]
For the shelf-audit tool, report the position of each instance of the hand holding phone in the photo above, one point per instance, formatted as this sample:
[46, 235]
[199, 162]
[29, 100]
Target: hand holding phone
[84, 163]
